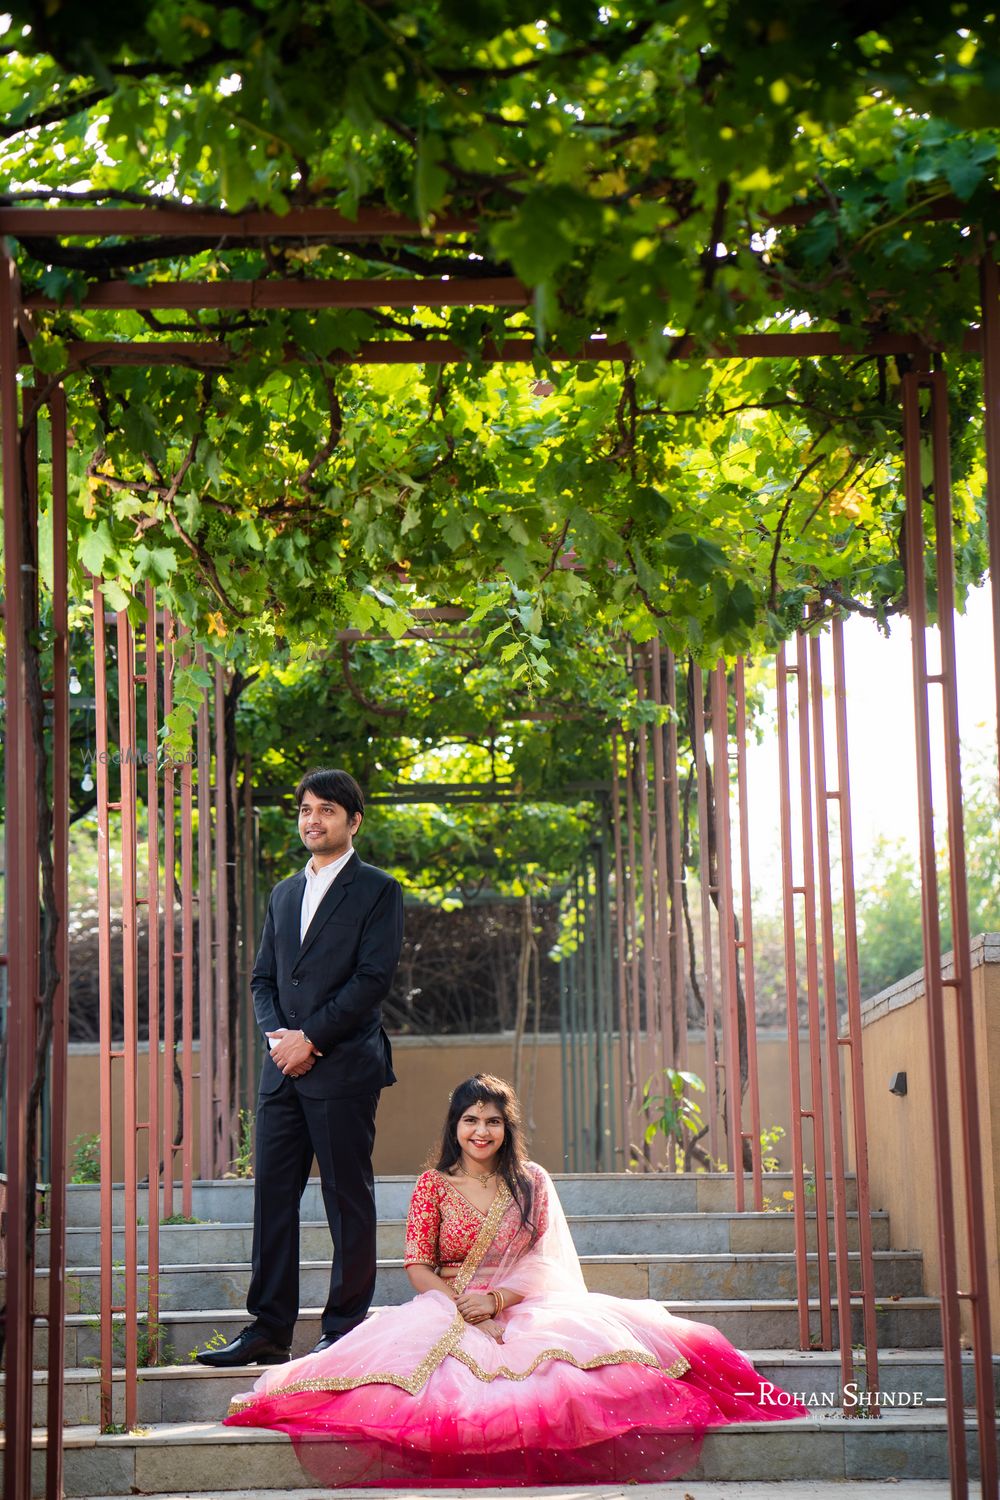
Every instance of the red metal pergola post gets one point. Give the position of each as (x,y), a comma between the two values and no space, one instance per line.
(666,1025)
(727,933)
(678,944)
(960,986)
(817,1091)
(745,944)
(636,1045)
(247,1058)
(853,1041)
(208,1134)
(21,890)
(652,1053)
(706,887)
(828,951)
(59,1064)
(128,752)
(788,893)
(187,974)
(222,928)
(107,1040)
(152,1121)
(626,1082)
(169,929)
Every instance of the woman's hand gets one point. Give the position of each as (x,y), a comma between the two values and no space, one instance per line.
(492,1328)
(476,1307)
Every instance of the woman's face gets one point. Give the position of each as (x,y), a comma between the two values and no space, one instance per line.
(480,1131)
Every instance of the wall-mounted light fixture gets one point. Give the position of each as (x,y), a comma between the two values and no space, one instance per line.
(897,1085)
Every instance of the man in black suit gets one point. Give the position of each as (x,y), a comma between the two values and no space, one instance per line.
(329,949)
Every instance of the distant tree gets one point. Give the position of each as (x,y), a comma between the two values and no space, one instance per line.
(891,938)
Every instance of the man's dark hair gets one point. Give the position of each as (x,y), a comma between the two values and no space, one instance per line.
(332,786)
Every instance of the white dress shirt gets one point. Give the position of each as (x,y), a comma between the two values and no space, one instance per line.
(317,885)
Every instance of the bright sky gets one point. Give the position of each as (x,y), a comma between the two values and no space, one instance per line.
(880,735)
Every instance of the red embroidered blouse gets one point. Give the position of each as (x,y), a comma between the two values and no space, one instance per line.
(442,1225)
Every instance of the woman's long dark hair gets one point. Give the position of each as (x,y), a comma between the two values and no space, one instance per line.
(485,1088)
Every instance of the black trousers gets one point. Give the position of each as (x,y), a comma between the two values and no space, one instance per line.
(340,1134)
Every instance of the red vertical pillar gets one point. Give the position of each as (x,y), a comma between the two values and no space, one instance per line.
(727,932)
(706,887)
(207,1090)
(817,1093)
(745,944)
(60,1015)
(106,1038)
(169,928)
(21,864)
(187,975)
(966,1111)
(128,749)
(678,943)
(222,927)
(152,1121)
(788,894)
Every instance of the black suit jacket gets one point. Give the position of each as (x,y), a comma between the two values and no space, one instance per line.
(332,985)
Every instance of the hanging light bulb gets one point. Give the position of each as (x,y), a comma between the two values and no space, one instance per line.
(75,685)
(87,782)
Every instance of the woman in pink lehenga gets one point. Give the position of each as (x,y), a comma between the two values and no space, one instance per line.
(504,1369)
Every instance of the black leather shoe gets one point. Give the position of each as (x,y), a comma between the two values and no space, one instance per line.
(326,1342)
(251,1347)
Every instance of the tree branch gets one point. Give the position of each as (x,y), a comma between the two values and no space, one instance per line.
(779,529)
(382,711)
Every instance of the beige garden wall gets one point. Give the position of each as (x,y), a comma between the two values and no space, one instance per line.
(900,1130)
(410,1113)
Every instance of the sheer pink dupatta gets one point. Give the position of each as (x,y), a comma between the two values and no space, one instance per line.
(538,1259)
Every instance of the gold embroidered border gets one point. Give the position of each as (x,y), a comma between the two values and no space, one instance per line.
(445,1345)
(618,1357)
(484,1239)
(412,1383)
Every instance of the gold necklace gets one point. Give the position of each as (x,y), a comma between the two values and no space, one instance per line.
(480,1177)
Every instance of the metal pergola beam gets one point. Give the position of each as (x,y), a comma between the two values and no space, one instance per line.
(320,223)
(218,225)
(286,294)
(88,354)
(428,793)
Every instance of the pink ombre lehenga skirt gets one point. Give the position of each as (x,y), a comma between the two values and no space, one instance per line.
(416,1397)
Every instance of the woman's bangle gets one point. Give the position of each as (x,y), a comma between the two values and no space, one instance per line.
(498,1299)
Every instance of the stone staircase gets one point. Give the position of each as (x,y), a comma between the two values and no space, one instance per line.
(674,1239)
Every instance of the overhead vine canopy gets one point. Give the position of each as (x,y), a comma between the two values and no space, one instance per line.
(663,176)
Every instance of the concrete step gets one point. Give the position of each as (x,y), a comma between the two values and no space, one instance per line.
(901,1446)
(718,1233)
(905,1323)
(689,1277)
(193,1393)
(231,1201)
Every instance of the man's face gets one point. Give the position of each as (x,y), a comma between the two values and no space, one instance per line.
(324,827)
